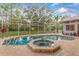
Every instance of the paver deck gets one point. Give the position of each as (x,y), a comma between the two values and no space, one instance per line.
(68,48)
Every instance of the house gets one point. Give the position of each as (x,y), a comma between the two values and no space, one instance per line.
(71,25)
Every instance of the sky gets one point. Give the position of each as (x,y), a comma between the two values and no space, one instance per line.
(61,9)
(65,8)
(69,9)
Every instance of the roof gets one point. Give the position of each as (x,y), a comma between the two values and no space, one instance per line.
(74,18)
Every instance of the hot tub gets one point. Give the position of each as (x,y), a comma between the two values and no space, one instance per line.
(43,46)
(43,43)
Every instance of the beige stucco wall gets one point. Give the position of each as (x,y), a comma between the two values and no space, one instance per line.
(74,23)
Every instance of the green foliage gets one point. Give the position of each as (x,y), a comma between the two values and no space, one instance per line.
(56,18)
(38,17)
(13,27)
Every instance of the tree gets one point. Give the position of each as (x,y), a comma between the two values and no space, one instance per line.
(38,14)
(6,8)
(62,18)
(56,22)
(56,18)
(35,16)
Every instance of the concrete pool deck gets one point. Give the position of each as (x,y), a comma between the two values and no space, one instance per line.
(68,48)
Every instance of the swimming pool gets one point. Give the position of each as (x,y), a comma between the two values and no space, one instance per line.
(17,41)
(26,40)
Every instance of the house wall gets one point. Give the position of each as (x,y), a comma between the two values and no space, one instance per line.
(75,25)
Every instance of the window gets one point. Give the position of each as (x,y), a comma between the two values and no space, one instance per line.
(70,27)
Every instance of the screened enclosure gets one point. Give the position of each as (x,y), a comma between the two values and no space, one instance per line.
(22,19)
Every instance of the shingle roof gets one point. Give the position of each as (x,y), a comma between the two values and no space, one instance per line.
(73,18)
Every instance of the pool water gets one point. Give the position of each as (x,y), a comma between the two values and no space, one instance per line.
(43,43)
(48,37)
(26,40)
(20,41)
(54,37)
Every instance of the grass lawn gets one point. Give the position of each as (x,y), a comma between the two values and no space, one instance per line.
(15,33)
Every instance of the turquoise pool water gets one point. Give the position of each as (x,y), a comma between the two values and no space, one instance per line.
(26,40)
